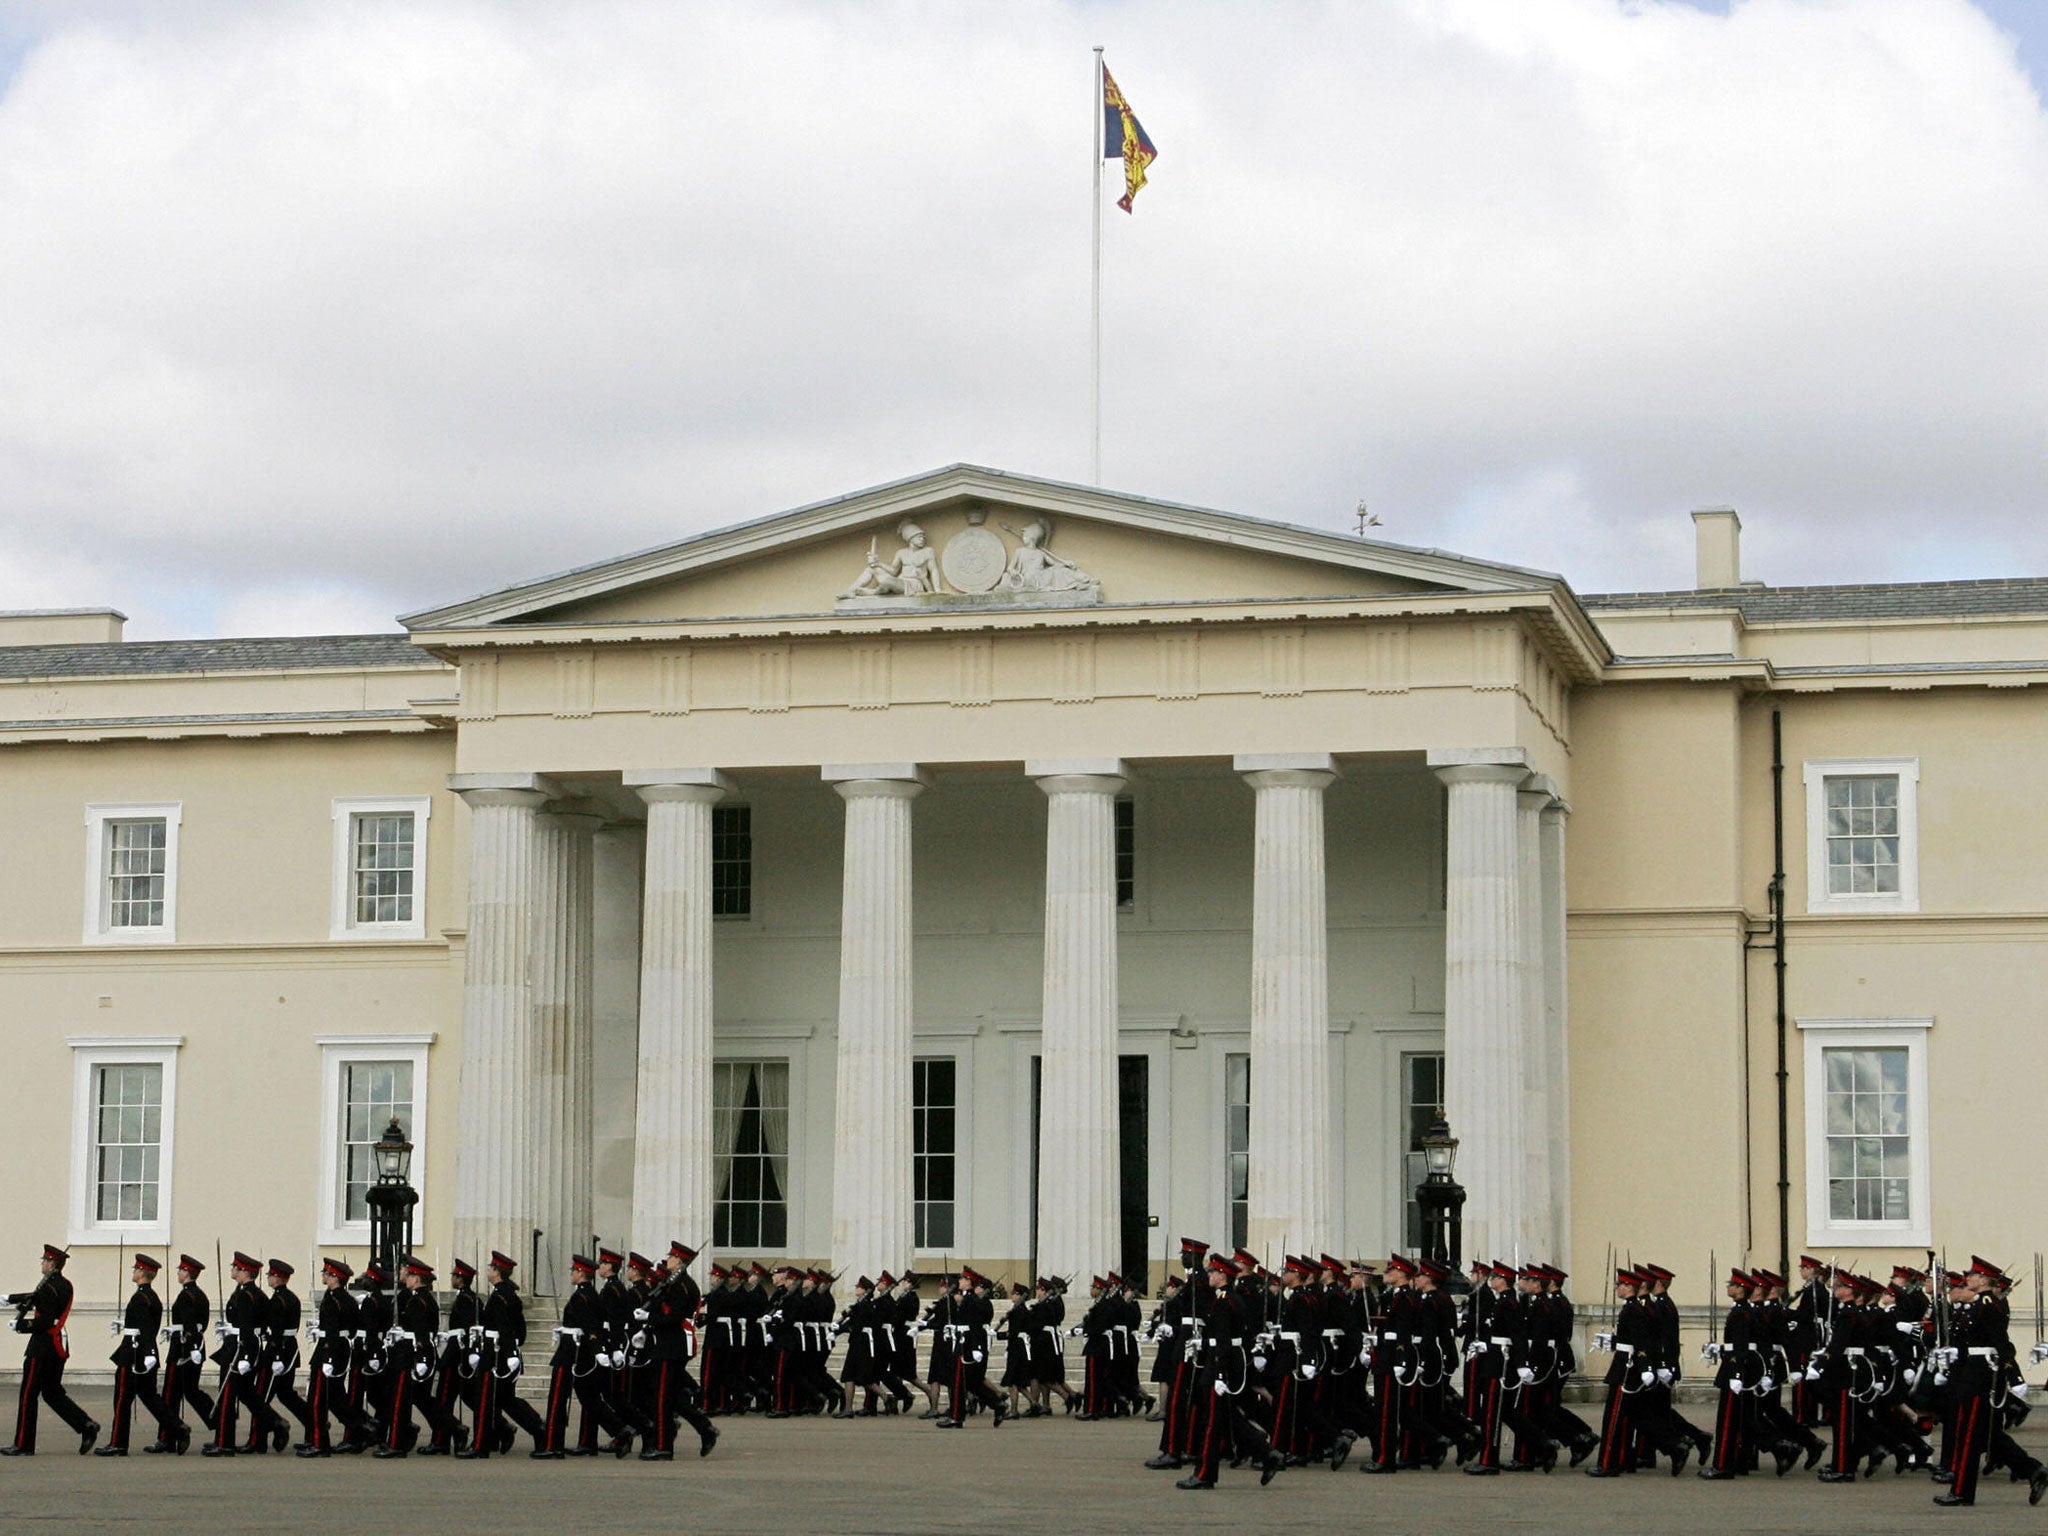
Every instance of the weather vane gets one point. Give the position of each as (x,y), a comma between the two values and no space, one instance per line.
(1365,520)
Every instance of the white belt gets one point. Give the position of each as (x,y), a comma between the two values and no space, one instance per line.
(1853,1350)
(1333,1333)
(1292,1338)
(1390,1336)
(1624,1349)
(1988,1354)
(1500,1343)
(1415,1338)
(131,1333)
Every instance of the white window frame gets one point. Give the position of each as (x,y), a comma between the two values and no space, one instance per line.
(97,931)
(343,924)
(743,1050)
(1821,1035)
(335,1052)
(1817,773)
(88,1054)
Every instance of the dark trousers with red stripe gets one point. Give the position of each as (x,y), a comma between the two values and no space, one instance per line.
(132,1387)
(1732,1431)
(1097,1394)
(264,1420)
(1386,1418)
(1844,1414)
(407,1393)
(1617,1433)
(1972,1434)
(328,1395)
(970,1379)
(672,1395)
(42,1381)
(181,1386)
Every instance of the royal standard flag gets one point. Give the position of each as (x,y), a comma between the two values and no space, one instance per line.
(1123,137)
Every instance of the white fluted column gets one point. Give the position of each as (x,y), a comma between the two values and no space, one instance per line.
(495,1189)
(1535,1231)
(563,1044)
(1483,1064)
(1557,1027)
(1079,1189)
(672,1150)
(1288,1197)
(872,1227)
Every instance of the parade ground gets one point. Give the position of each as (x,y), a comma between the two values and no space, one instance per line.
(887,1476)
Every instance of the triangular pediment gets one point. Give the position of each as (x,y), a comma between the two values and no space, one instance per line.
(988,540)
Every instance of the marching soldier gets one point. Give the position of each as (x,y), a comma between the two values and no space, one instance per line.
(370,1377)
(455,1378)
(184,1360)
(1170,1366)
(1773,1335)
(669,1323)
(135,1357)
(1544,1400)
(1810,1321)
(41,1315)
(1828,1369)
(417,1323)
(721,1341)
(1049,1344)
(277,1364)
(501,1335)
(574,1366)
(973,1317)
(239,1330)
(1094,1332)
(1232,1316)
(938,1322)
(327,1372)
(1636,1344)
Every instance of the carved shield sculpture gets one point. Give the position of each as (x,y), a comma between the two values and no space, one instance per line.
(974,558)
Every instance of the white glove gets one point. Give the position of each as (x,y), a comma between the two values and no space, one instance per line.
(423,1369)
(512,1364)
(1767,1383)
(1907,1328)
(1649,1377)
(1474,1350)
(1813,1373)
(1664,1375)
(241,1367)
(2020,1389)
(149,1365)
(198,1355)
(976,1358)
(1258,1362)
(1222,1388)
(475,1361)
(1525,1374)
(1308,1373)
(604,1360)
(1735,1385)
(1941,1378)
(1163,1331)
(1074,1333)
(639,1341)
(1365,1359)
(639,1314)
(327,1369)
(1711,1350)
(113,1325)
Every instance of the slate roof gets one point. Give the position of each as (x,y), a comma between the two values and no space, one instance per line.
(1888,600)
(137,657)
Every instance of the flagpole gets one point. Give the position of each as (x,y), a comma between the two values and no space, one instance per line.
(1095,293)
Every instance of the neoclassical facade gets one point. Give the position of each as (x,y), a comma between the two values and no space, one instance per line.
(984,867)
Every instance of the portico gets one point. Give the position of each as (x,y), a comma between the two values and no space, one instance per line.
(1233,807)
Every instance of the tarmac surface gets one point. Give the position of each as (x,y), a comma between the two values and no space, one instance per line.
(893,1475)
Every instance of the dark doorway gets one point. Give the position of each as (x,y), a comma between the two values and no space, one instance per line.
(1134,1121)
(1134,1110)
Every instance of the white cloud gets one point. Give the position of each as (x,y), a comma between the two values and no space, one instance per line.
(397,302)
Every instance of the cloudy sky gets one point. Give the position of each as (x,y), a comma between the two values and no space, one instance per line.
(315,313)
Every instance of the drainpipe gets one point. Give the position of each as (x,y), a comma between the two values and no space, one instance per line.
(1778,966)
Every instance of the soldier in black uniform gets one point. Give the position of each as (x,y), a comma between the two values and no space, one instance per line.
(328,1370)
(184,1360)
(1094,1332)
(1049,1344)
(1636,1344)
(415,1332)
(135,1357)
(1810,1318)
(1169,1357)
(973,1320)
(277,1364)
(239,1329)
(1233,1315)
(41,1315)
(670,1325)
(1828,1371)
(499,1351)
(721,1340)
(938,1322)
(1773,1337)
(371,1379)
(455,1376)
(574,1366)
(607,1384)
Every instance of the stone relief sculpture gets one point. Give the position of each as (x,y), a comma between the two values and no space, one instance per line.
(913,572)
(1035,568)
(981,568)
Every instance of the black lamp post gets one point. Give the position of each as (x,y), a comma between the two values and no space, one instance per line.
(391,1199)
(1441,1198)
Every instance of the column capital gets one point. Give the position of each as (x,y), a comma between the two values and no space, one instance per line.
(644,779)
(1510,774)
(1075,768)
(1559,810)
(1270,762)
(839,773)
(1460,757)
(529,789)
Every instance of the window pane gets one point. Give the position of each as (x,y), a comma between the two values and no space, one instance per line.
(732,860)
(372,1094)
(750,1118)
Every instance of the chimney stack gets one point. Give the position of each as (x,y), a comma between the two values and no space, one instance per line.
(1719,533)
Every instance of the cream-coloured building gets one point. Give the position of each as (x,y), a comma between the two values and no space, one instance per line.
(984,867)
